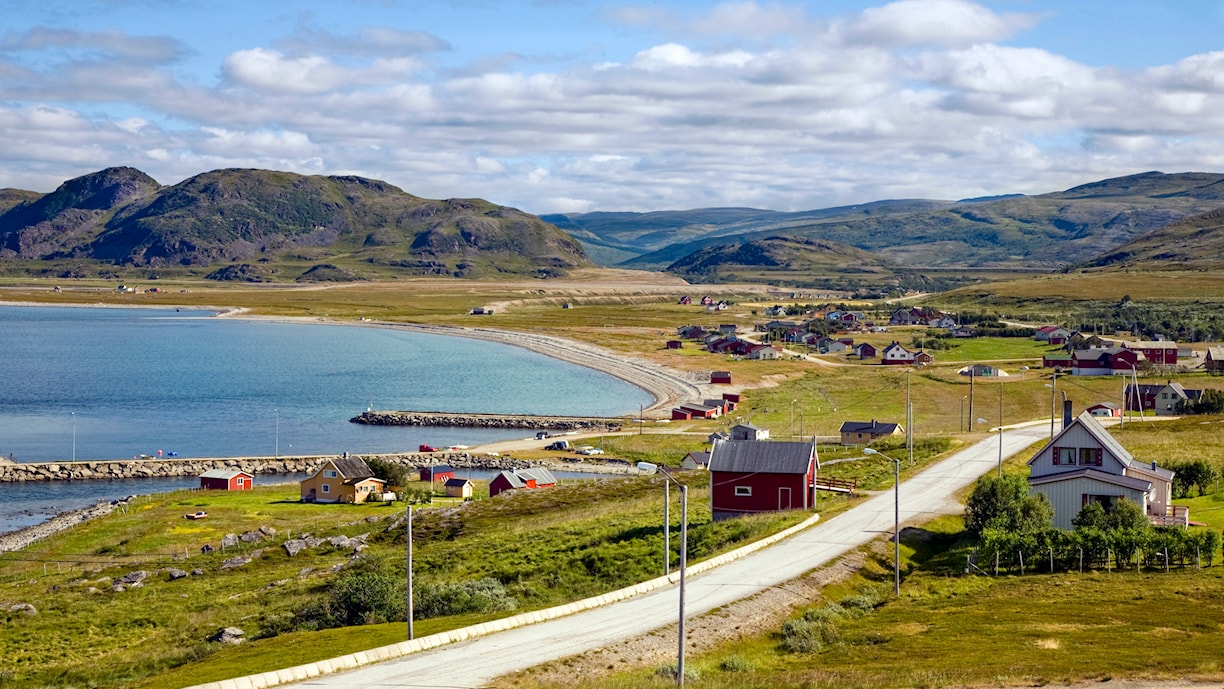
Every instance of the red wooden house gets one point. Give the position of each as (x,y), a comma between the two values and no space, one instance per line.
(437,472)
(518,479)
(748,476)
(227,479)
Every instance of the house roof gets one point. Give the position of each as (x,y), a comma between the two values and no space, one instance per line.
(1114,479)
(699,458)
(226,474)
(749,426)
(517,478)
(440,469)
(1094,428)
(873,427)
(456,482)
(352,467)
(749,456)
(1103,405)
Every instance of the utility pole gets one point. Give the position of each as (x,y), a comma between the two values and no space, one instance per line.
(408,538)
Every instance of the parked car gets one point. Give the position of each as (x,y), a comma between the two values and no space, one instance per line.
(590,451)
(426,448)
(542,435)
(558,445)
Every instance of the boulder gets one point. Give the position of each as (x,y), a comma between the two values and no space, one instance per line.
(229,541)
(236,561)
(176,573)
(24,609)
(228,635)
(206,549)
(133,578)
(197,572)
(267,531)
(294,546)
(251,537)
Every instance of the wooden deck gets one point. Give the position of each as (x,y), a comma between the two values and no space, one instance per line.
(835,485)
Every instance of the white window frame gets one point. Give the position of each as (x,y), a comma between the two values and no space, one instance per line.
(326,487)
(743,491)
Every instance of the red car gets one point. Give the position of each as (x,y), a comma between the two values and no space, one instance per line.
(427,448)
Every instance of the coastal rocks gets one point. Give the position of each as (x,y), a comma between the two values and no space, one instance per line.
(228,635)
(538,423)
(147,468)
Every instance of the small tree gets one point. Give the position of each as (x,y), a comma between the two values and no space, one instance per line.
(393,473)
(1004,503)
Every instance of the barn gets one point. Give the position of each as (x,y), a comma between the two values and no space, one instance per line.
(227,479)
(750,476)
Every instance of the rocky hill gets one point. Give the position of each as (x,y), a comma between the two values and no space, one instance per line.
(1194,243)
(789,259)
(261,224)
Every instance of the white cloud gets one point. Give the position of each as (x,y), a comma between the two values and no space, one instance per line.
(937,22)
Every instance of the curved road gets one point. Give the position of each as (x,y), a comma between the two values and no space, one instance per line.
(475,662)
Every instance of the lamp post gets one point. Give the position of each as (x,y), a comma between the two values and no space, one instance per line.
(896,518)
(74,436)
(648,467)
(276,447)
(1000,429)
(408,538)
(1064,399)
(792,423)
(960,420)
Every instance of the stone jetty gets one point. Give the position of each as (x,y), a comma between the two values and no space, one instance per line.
(526,421)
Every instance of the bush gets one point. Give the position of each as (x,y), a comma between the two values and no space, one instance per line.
(736,664)
(803,636)
(393,473)
(438,599)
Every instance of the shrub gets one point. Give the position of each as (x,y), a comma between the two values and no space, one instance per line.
(736,664)
(803,636)
(438,599)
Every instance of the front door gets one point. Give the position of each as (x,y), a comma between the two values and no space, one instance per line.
(784,498)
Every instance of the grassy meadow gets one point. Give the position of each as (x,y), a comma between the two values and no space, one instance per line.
(546,547)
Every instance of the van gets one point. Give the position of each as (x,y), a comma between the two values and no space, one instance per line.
(558,445)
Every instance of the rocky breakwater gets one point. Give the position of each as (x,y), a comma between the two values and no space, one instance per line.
(151,468)
(525,421)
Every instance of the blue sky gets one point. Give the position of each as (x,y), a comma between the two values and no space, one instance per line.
(575,105)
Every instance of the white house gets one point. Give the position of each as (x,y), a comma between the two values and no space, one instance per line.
(1085,464)
(747,431)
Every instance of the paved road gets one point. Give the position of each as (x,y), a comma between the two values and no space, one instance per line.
(473,663)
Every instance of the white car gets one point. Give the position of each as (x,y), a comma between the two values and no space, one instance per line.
(590,451)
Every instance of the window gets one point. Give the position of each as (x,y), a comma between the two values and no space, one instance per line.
(326,487)
(743,491)
(1089,456)
(330,474)
(1064,456)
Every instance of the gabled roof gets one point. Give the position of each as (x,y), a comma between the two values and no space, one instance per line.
(749,426)
(518,478)
(1114,479)
(1089,423)
(456,482)
(352,467)
(226,474)
(699,458)
(761,457)
(873,427)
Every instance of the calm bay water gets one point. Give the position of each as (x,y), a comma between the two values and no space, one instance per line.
(114,383)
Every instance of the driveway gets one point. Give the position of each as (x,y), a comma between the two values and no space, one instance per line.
(474,663)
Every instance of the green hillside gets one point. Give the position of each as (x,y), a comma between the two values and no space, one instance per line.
(1195,243)
(261,224)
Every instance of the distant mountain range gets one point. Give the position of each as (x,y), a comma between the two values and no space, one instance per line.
(261,225)
(1043,232)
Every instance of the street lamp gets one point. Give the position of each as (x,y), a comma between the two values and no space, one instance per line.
(1052,388)
(651,468)
(276,447)
(1000,430)
(896,518)
(73,436)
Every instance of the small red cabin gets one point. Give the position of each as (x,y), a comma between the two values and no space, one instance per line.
(227,479)
(437,472)
(521,479)
(720,377)
(750,476)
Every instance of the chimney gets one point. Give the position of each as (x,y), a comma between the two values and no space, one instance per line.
(1066,413)
(1153,465)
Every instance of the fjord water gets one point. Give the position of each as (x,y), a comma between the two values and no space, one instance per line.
(108,383)
(135,381)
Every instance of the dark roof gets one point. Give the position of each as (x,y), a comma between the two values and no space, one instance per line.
(699,458)
(873,427)
(762,457)
(456,482)
(352,467)
(440,469)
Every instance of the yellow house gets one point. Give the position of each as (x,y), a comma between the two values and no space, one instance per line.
(458,488)
(345,479)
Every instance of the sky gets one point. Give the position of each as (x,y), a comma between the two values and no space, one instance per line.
(584,105)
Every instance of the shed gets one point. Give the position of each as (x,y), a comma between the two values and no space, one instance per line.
(459,488)
(227,479)
(748,476)
(437,472)
(720,377)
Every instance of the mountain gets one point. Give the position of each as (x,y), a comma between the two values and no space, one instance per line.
(794,260)
(1042,232)
(220,222)
(1194,243)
